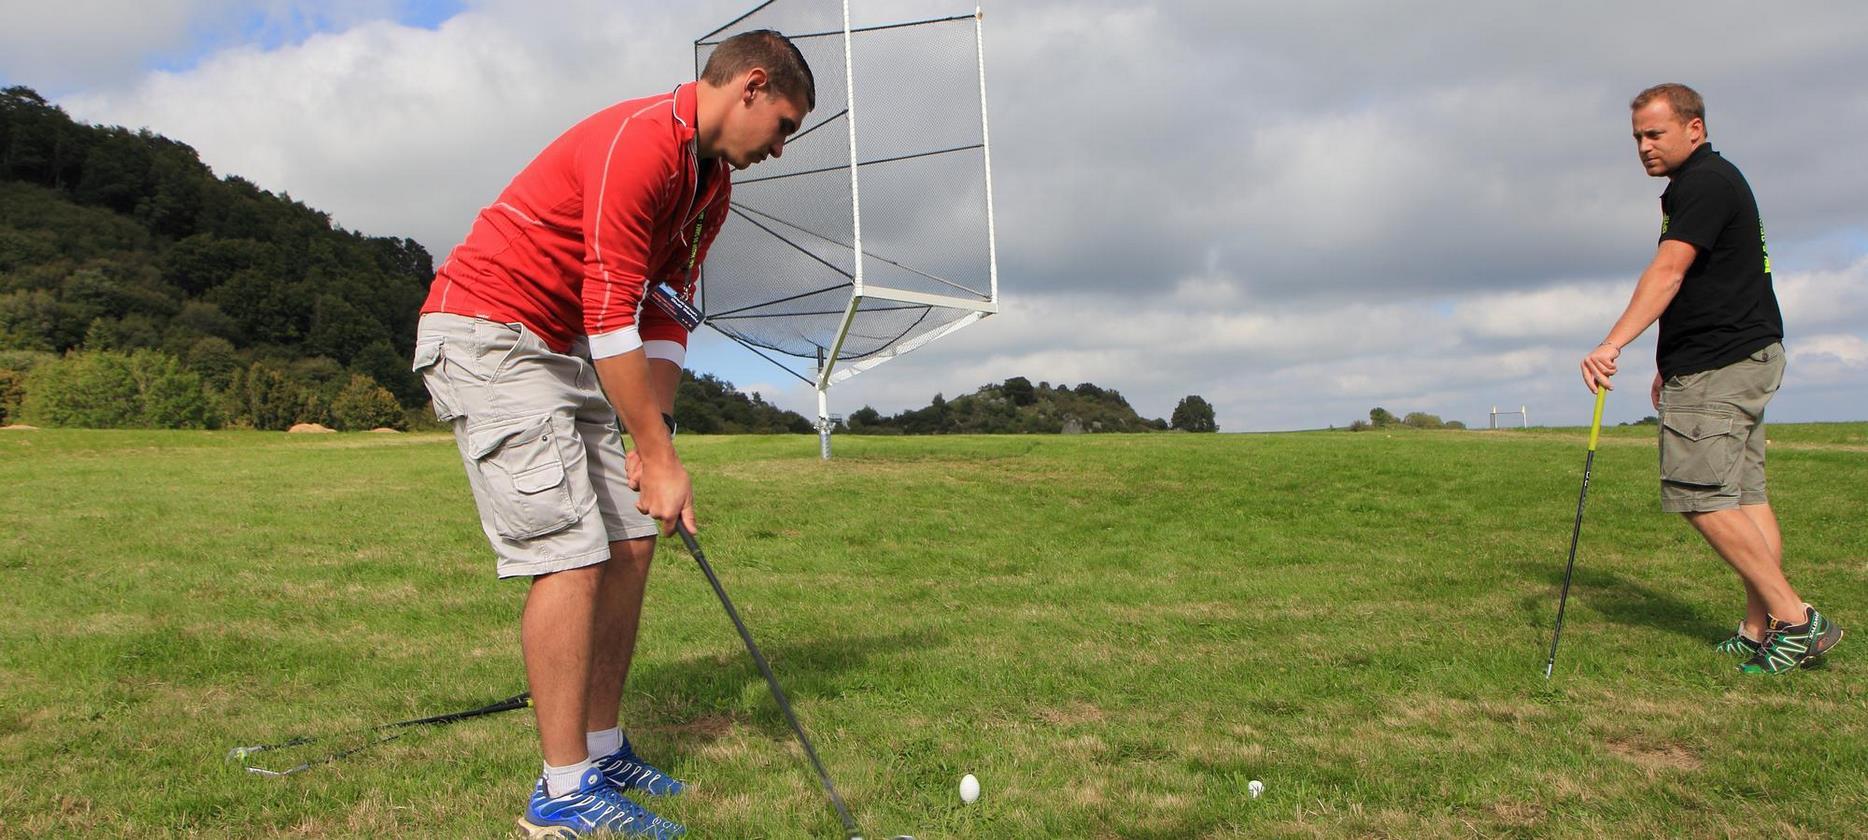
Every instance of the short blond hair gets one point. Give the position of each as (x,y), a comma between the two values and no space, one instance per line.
(1686,102)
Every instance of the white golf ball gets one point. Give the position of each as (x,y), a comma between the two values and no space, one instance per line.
(969,788)
(1256,787)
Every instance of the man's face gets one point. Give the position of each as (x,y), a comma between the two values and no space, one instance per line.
(1663,141)
(758,125)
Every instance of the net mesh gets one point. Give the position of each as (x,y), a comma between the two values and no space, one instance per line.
(782,271)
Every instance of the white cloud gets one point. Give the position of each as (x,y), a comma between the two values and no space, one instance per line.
(1298,211)
(85,43)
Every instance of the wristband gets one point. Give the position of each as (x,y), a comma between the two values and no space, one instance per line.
(669,419)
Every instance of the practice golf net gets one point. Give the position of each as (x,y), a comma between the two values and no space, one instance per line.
(873,234)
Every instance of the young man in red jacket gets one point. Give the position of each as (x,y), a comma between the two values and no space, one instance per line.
(563,310)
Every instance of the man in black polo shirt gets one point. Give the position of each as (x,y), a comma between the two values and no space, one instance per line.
(1720,359)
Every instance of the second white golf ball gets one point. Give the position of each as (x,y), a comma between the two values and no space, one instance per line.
(969,788)
(1256,787)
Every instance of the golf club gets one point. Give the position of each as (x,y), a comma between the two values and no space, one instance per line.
(1589,462)
(778,694)
(397,730)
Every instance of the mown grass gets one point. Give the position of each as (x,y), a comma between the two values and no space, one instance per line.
(1114,633)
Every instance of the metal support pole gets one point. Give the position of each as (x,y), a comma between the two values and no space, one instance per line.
(823,408)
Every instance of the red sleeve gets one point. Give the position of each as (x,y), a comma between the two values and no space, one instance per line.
(627,180)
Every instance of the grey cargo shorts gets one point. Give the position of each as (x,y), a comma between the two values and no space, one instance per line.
(1712,434)
(538,439)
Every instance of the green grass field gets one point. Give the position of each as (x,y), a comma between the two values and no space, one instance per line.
(1115,633)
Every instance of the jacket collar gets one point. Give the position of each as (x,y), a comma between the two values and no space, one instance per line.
(687,110)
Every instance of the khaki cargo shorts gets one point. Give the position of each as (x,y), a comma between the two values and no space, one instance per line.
(539,441)
(1712,434)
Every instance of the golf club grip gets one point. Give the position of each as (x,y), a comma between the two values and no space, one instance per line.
(1595,424)
(517,701)
(771,680)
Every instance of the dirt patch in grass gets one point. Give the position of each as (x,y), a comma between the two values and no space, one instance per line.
(710,727)
(1654,756)
(1075,714)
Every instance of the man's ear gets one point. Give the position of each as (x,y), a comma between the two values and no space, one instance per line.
(756,83)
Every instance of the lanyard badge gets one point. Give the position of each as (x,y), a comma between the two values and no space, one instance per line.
(671,302)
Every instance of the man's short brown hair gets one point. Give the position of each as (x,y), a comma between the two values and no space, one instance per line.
(1685,101)
(785,68)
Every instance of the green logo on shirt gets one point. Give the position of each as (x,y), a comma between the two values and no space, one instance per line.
(1762,247)
(1664,219)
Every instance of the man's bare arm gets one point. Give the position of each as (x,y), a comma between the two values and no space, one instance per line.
(639,390)
(1655,290)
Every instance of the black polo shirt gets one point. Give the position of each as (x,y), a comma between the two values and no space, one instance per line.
(1725,309)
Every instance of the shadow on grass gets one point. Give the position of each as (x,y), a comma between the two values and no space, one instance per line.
(700,699)
(1626,602)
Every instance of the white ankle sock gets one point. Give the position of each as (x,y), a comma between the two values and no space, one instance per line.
(604,741)
(562,780)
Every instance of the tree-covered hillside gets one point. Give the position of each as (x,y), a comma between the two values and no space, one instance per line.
(123,241)
(137,289)
(1014,406)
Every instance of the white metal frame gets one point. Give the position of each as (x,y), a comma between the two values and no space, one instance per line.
(828,373)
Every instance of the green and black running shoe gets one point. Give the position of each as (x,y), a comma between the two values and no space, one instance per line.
(1787,646)
(1739,644)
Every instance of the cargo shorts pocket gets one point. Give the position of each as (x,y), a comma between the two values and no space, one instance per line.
(522,470)
(440,390)
(1698,446)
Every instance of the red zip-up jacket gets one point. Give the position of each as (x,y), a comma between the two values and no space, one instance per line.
(572,243)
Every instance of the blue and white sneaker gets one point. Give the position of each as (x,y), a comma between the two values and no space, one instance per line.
(595,808)
(627,772)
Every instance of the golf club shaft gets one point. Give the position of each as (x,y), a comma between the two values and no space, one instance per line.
(1576,531)
(778,694)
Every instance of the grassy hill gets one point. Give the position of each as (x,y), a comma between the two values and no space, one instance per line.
(1116,633)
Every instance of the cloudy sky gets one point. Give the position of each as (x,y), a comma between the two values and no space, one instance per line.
(1296,210)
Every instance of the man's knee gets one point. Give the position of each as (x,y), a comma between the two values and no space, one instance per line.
(635,552)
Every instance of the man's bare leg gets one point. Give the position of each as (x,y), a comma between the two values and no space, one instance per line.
(1762,516)
(1742,542)
(619,614)
(555,633)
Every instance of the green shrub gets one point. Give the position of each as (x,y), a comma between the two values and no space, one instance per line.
(83,390)
(364,405)
(263,397)
(107,390)
(214,359)
(381,362)
(12,390)
(171,395)
(15,366)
